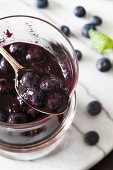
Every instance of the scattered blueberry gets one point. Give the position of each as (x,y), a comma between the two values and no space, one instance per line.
(3,116)
(91,138)
(65,30)
(18,50)
(96,20)
(85,29)
(34,97)
(42,3)
(29,79)
(78,54)
(94,108)
(5,86)
(80,11)
(18,118)
(49,85)
(103,64)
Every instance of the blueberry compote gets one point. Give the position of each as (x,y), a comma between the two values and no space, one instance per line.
(50,87)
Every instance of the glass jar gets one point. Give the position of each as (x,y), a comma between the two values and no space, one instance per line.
(33,140)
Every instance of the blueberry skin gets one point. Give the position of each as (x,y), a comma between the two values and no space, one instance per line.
(103,64)
(78,54)
(3,116)
(80,11)
(29,79)
(96,20)
(42,3)
(94,108)
(34,97)
(86,28)
(65,29)
(91,138)
(5,66)
(49,85)
(18,118)
(34,115)
(18,50)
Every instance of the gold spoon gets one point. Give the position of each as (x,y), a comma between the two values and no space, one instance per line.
(21,89)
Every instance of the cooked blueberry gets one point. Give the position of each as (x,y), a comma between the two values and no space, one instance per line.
(3,116)
(57,102)
(29,79)
(85,29)
(91,138)
(49,85)
(94,108)
(42,3)
(4,86)
(4,66)
(18,118)
(35,97)
(54,101)
(34,115)
(65,30)
(34,55)
(80,11)
(18,50)
(96,20)
(103,64)
(78,54)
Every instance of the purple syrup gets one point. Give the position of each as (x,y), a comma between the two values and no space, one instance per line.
(54,81)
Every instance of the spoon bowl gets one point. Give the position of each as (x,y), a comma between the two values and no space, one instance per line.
(29,92)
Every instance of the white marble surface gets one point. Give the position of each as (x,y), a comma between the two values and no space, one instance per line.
(74,154)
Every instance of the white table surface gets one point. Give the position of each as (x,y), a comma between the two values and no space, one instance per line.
(74,154)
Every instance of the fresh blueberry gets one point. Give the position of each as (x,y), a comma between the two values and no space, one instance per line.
(34,55)
(3,116)
(49,85)
(91,138)
(96,20)
(80,11)
(34,115)
(85,29)
(65,30)
(78,54)
(103,64)
(18,118)
(34,97)
(5,86)
(18,50)
(42,3)
(5,66)
(29,79)
(94,108)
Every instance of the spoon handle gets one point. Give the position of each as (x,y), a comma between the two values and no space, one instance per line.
(16,66)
